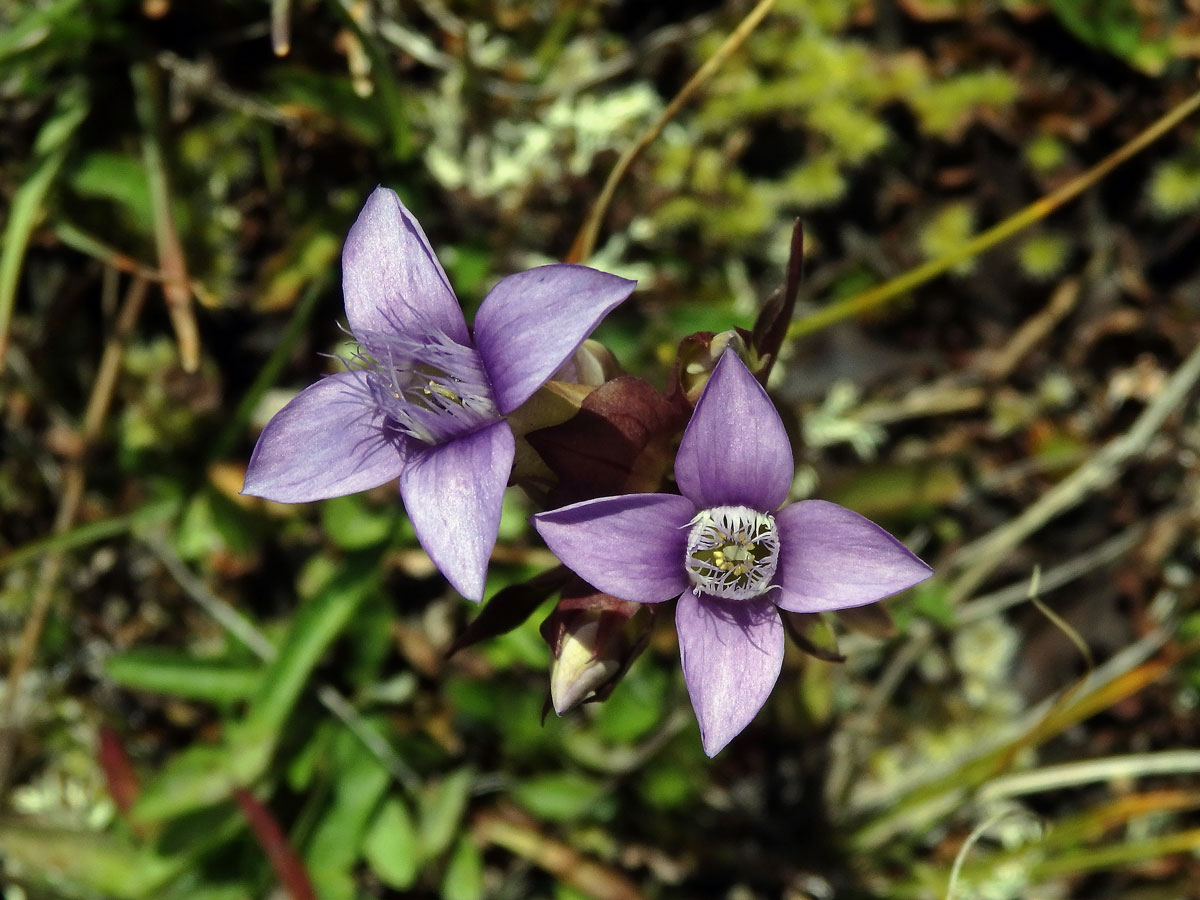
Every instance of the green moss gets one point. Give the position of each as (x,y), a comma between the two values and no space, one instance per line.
(1174,188)
(815,183)
(1042,256)
(1046,153)
(949,229)
(946,107)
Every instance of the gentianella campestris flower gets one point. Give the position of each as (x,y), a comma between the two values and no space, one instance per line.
(727,550)
(424,400)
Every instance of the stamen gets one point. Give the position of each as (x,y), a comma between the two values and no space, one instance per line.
(431,388)
(732,552)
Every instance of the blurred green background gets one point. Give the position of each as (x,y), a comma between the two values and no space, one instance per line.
(196,682)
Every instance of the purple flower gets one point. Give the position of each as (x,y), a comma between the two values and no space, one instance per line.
(426,403)
(729,553)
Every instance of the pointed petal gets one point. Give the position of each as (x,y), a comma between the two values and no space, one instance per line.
(530,323)
(735,451)
(391,279)
(832,558)
(731,652)
(632,547)
(327,442)
(453,494)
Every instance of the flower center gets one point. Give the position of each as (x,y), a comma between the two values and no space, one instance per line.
(432,388)
(732,552)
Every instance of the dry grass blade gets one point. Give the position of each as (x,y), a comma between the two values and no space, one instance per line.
(281,30)
(560,860)
(1051,778)
(176,284)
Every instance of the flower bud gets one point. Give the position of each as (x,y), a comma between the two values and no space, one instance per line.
(698,355)
(592,644)
(582,667)
(592,364)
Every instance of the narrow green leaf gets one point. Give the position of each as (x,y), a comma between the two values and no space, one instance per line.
(314,628)
(464,874)
(84,535)
(441,808)
(183,675)
(387,87)
(50,150)
(212,523)
(392,847)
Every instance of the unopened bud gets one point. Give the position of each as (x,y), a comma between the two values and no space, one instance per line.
(592,645)
(698,356)
(592,364)
(582,667)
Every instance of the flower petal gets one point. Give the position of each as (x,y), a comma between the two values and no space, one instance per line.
(632,547)
(731,652)
(391,279)
(327,442)
(530,323)
(453,494)
(832,558)
(735,451)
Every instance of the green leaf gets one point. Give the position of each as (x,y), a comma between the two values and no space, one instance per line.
(353,524)
(900,489)
(440,808)
(392,847)
(669,786)
(212,523)
(931,600)
(183,675)
(558,797)
(464,874)
(84,862)
(119,178)
(50,150)
(34,27)
(359,785)
(202,775)
(1116,27)
(316,625)
(636,706)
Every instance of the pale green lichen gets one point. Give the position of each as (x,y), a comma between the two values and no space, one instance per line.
(541,142)
(834,422)
(984,654)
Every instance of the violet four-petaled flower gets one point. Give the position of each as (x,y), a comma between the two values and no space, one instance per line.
(729,553)
(425,403)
